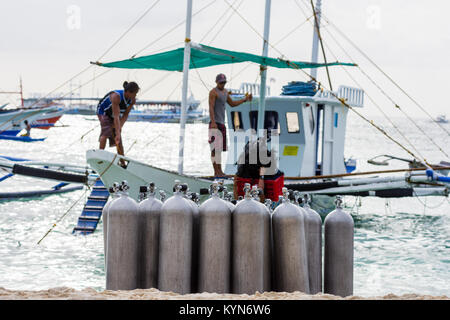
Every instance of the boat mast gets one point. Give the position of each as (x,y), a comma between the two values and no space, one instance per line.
(21,92)
(262,94)
(186,62)
(319,37)
(315,44)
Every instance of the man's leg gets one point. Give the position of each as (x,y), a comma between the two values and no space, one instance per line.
(102,142)
(120,148)
(217,163)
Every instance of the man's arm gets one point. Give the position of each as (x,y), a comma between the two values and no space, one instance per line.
(125,114)
(212,102)
(233,103)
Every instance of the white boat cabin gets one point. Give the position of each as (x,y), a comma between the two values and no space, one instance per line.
(311,130)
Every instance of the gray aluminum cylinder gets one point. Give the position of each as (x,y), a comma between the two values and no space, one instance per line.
(195,245)
(289,248)
(267,273)
(230,205)
(149,215)
(313,232)
(114,192)
(267,240)
(175,245)
(214,246)
(122,244)
(248,221)
(338,261)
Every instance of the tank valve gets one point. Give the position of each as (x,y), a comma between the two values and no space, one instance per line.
(247,191)
(338,202)
(285,193)
(214,188)
(124,186)
(162,195)
(306,200)
(151,188)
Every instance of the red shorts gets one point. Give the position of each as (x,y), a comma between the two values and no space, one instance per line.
(217,137)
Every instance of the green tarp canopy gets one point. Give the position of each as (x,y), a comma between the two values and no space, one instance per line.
(204,56)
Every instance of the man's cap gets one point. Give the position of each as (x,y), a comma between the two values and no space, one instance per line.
(221,78)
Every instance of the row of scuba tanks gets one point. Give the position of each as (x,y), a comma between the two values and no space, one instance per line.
(221,246)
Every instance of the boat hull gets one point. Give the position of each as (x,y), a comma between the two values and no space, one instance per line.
(47,120)
(107,166)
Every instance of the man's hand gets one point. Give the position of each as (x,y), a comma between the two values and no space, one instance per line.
(214,125)
(249,97)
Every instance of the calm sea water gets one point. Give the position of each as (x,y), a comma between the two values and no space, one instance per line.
(401,245)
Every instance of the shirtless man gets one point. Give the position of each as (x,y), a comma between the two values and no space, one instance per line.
(218,96)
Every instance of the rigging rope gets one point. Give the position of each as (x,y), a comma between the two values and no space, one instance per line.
(84,70)
(316,25)
(292,31)
(171,30)
(387,76)
(209,30)
(331,92)
(388,97)
(65,213)
(129,29)
(225,23)
(370,98)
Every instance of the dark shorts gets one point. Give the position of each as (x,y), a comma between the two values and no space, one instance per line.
(217,137)
(107,128)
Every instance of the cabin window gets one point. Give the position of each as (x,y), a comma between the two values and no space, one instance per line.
(236,119)
(292,122)
(271,122)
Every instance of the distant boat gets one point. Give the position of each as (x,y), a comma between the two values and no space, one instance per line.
(12,120)
(166,111)
(441,119)
(145,110)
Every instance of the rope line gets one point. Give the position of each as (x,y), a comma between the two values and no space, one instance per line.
(386,75)
(62,217)
(370,98)
(295,67)
(388,97)
(171,30)
(209,30)
(316,25)
(129,29)
(292,31)
(225,23)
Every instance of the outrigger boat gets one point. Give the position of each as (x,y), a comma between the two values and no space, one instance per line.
(38,113)
(71,177)
(310,129)
(12,121)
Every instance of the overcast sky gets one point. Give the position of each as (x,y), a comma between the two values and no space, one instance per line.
(48,42)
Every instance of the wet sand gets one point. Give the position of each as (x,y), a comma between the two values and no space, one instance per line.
(65,293)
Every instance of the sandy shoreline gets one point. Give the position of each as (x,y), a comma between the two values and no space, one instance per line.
(65,293)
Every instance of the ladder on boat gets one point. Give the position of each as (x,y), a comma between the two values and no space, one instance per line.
(92,211)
